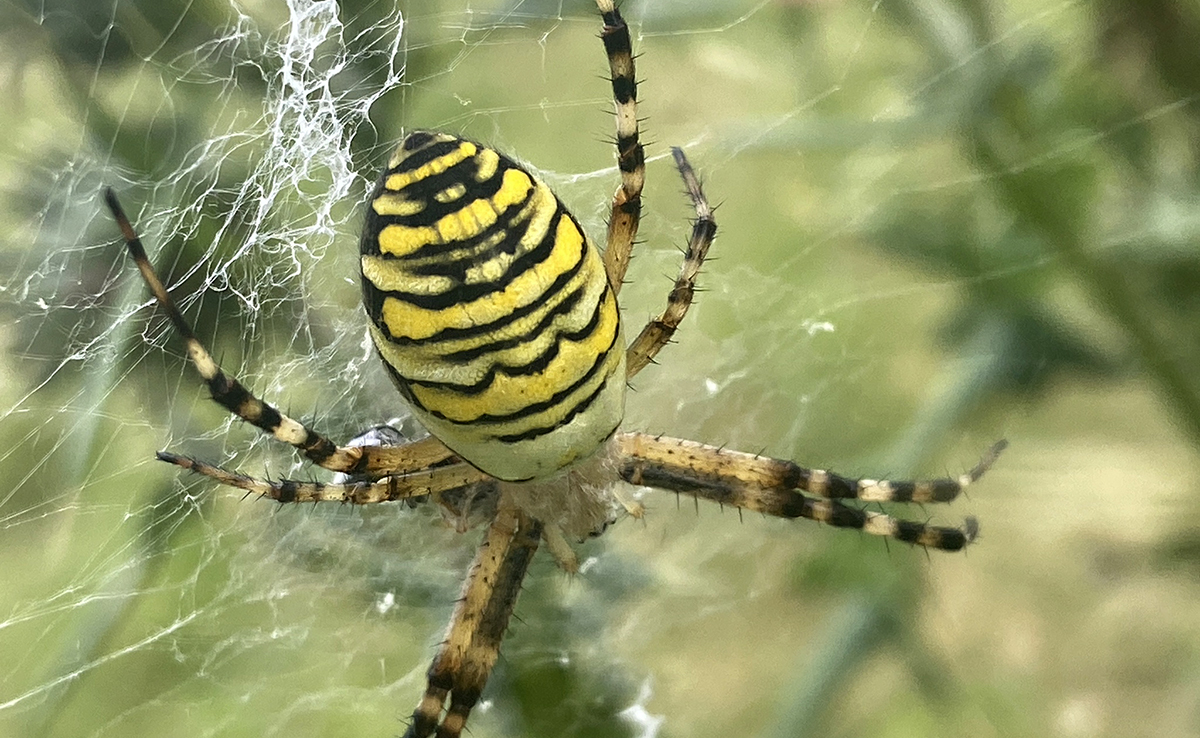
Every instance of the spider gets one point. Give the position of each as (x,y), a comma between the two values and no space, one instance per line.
(497,319)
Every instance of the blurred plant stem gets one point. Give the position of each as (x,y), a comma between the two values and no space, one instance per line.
(851,637)
(979,374)
(1011,118)
(1038,201)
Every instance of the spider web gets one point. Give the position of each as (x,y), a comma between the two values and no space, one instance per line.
(242,137)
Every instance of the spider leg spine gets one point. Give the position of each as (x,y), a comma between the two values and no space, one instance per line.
(773,486)
(386,489)
(626,207)
(227,391)
(472,643)
(231,394)
(735,469)
(659,331)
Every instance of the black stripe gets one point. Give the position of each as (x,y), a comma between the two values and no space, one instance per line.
(632,160)
(462,292)
(473,256)
(454,334)
(423,190)
(417,159)
(510,219)
(287,491)
(908,531)
(624,88)
(791,475)
(788,505)
(430,252)
(463,173)
(535,432)
(567,305)
(373,297)
(903,491)
(842,516)
(233,396)
(368,242)
(318,448)
(401,383)
(416,140)
(617,43)
(945,490)
(533,367)
(840,488)
(537,407)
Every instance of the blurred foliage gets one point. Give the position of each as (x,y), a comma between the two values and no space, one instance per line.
(1049,174)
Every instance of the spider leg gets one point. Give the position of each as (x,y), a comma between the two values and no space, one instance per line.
(775,486)
(627,202)
(233,396)
(377,461)
(658,332)
(465,659)
(631,160)
(434,481)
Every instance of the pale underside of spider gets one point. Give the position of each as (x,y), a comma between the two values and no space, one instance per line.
(552,469)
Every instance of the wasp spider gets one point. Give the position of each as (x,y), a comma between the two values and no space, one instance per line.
(497,319)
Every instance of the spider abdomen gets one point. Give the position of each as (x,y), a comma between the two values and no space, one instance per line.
(491,309)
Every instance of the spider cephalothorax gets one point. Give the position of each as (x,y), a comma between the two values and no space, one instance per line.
(497,318)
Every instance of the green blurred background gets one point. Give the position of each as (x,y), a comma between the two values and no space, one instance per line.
(942,222)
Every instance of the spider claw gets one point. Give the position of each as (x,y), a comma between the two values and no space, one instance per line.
(971,528)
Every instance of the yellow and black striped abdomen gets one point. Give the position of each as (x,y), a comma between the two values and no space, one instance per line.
(491,309)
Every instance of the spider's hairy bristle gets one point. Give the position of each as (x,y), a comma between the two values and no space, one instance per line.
(472,643)
(226,390)
(881,524)
(659,331)
(235,397)
(775,487)
(399,487)
(759,471)
(631,158)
